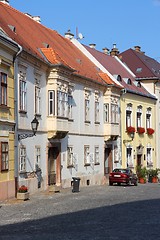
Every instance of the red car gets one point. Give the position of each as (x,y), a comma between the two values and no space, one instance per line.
(123,175)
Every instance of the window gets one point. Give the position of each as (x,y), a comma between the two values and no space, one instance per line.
(106,112)
(62,102)
(4,156)
(114,113)
(22,92)
(3,89)
(51,103)
(69,156)
(87,106)
(129,157)
(96,154)
(70,103)
(139,116)
(22,159)
(96,107)
(96,111)
(129,115)
(149,156)
(86,155)
(38,157)
(37,100)
(148,118)
(129,81)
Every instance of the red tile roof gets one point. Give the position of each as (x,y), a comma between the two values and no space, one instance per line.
(116,68)
(33,37)
(142,65)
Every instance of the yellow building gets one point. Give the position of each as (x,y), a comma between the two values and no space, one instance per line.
(8,51)
(138,130)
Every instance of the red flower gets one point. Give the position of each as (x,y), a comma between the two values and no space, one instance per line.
(140,130)
(150,131)
(22,189)
(130,129)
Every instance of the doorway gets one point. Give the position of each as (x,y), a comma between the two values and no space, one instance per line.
(139,162)
(108,164)
(54,166)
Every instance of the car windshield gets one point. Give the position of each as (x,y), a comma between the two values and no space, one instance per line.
(121,170)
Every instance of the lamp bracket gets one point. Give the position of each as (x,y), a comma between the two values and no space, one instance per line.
(25,135)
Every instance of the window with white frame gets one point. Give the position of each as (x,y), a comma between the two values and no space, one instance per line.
(70,156)
(62,104)
(70,102)
(37,157)
(86,155)
(4,156)
(51,102)
(114,113)
(149,156)
(148,118)
(22,159)
(22,92)
(96,155)
(129,115)
(87,106)
(129,156)
(139,116)
(3,89)
(106,112)
(37,98)
(96,107)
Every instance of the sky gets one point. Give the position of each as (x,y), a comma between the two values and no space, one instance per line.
(126,23)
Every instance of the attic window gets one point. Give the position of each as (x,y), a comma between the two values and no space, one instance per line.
(119,78)
(138,70)
(138,84)
(13,28)
(78,60)
(129,81)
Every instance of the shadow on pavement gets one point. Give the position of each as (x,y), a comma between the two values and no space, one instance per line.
(135,220)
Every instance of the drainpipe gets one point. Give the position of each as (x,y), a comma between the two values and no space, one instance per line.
(16,119)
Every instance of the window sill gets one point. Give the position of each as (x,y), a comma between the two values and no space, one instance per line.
(22,111)
(70,166)
(87,164)
(98,123)
(88,122)
(4,170)
(4,107)
(97,163)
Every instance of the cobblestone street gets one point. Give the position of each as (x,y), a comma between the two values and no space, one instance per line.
(96,212)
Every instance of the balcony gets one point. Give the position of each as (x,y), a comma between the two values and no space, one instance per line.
(57,127)
(111,131)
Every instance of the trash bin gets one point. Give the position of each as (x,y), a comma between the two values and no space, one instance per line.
(76,182)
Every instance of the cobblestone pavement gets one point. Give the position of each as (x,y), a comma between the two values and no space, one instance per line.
(94,213)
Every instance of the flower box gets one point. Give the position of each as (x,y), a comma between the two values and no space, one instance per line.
(150,131)
(141,130)
(23,196)
(130,129)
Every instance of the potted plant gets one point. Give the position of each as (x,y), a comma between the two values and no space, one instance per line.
(153,175)
(141,173)
(130,129)
(141,130)
(150,131)
(23,193)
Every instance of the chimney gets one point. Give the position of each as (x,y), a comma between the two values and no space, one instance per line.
(5,1)
(37,19)
(114,51)
(137,48)
(106,50)
(69,35)
(92,45)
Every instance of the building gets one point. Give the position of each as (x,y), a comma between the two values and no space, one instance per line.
(8,51)
(147,72)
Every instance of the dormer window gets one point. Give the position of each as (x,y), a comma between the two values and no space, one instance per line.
(138,70)
(138,84)
(119,78)
(129,81)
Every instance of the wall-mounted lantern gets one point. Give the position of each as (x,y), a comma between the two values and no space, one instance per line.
(34,126)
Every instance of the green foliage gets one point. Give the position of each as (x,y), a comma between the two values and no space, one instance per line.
(153,172)
(141,171)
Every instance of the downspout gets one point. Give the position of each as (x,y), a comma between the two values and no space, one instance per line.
(16,119)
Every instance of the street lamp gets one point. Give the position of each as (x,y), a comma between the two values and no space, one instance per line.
(34,126)
(132,136)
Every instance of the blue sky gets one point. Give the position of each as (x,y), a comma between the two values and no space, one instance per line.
(125,22)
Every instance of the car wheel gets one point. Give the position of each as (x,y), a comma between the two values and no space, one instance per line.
(136,183)
(110,183)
